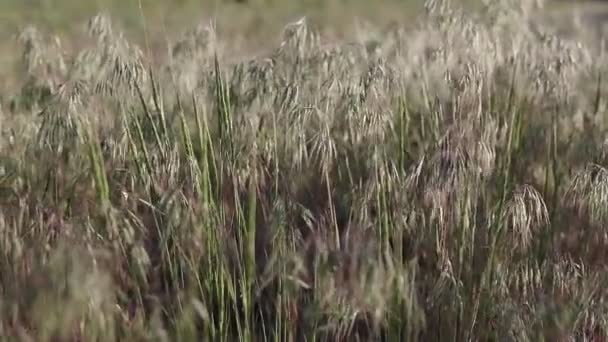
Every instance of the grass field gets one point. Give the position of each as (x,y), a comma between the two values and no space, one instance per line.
(414,177)
(249,27)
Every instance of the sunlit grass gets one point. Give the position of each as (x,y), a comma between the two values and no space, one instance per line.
(443,179)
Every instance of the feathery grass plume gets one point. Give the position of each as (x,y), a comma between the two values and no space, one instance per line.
(588,193)
(459,163)
(297,41)
(44,67)
(190,55)
(62,118)
(526,213)
(40,58)
(33,52)
(574,310)
(113,66)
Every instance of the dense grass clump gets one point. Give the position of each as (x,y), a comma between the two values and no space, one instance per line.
(444,182)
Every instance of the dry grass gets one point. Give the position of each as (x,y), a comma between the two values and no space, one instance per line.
(444,181)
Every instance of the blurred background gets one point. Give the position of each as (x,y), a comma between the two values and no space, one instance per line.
(236,14)
(246,26)
(244,16)
(234,17)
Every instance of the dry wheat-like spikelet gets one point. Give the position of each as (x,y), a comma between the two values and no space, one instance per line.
(526,213)
(464,158)
(191,55)
(41,58)
(588,193)
(113,66)
(63,117)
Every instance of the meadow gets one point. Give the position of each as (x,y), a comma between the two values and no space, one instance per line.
(444,178)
